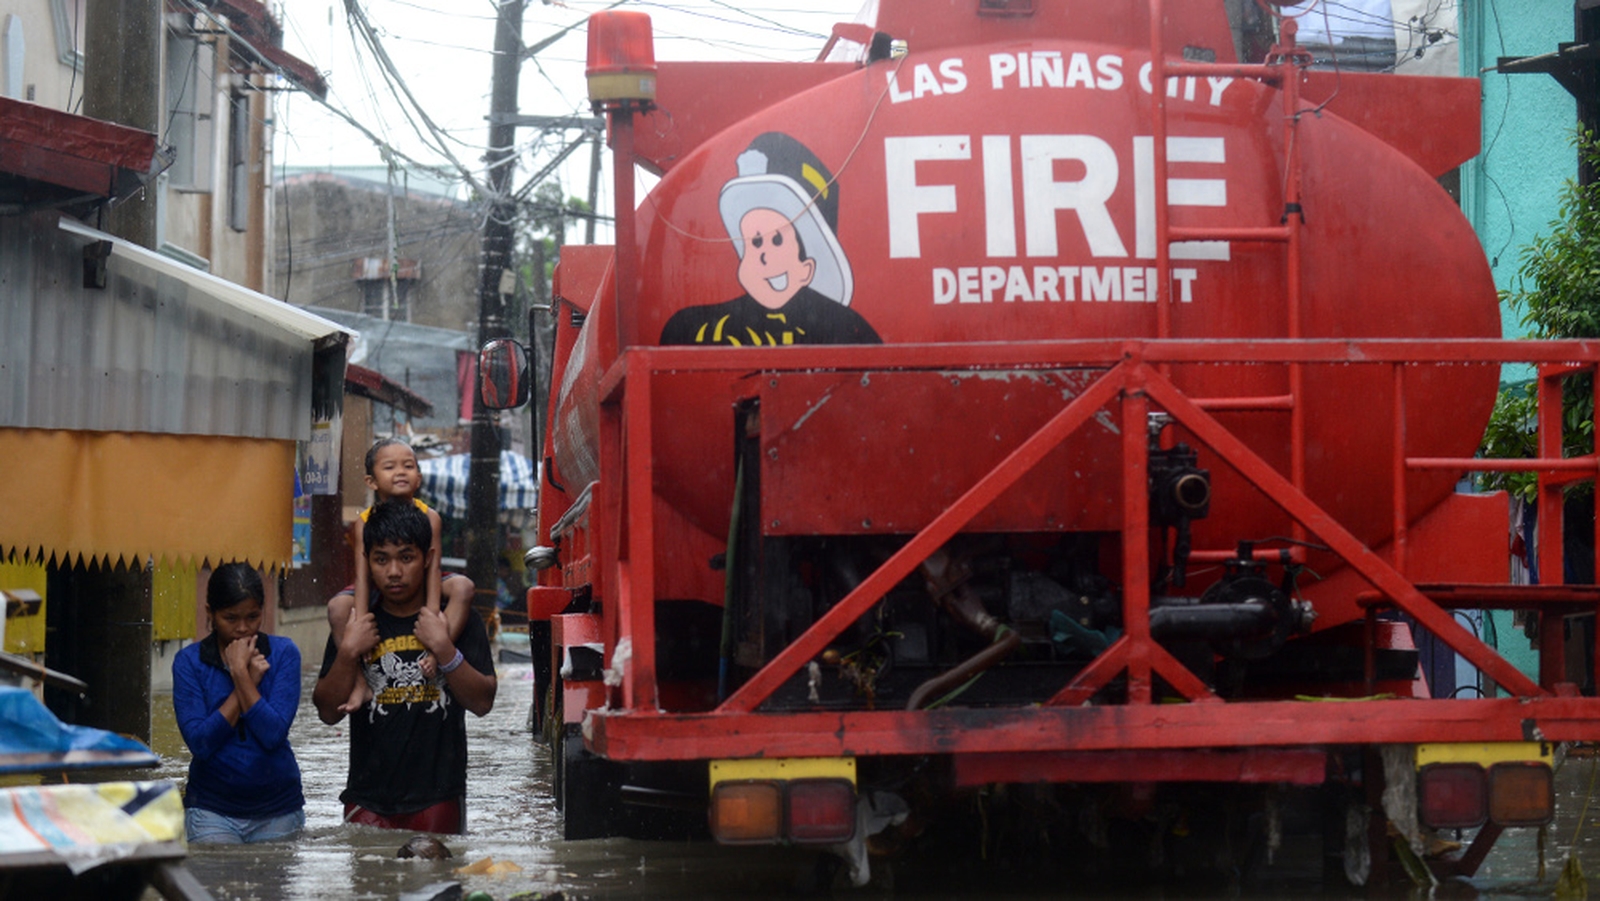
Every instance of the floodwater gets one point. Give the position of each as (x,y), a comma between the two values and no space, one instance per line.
(513,825)
(510,821)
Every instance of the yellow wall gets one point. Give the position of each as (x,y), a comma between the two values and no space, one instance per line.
(173,596)
(24,634)
(173,602)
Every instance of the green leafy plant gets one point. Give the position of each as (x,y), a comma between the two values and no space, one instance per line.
(1557,293)
(1511,434)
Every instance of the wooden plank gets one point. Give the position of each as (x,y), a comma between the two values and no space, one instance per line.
(176,883)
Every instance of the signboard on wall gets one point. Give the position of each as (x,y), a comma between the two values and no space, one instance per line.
(320,474)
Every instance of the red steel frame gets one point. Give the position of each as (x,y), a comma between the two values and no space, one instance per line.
(633,726)
(1267,739)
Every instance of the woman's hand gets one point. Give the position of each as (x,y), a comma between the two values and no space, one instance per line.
(240,656)
(246,665)
(258,667)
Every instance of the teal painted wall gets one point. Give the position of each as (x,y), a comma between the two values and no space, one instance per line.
(1511,191)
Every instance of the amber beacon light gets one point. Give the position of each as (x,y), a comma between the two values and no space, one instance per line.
(622,60)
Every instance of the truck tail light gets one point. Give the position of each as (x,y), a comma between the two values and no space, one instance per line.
(747,813)
(821,811)
(1521,794)
(1452,795)
(765,812)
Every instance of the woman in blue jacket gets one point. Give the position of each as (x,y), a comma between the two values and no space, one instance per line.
(235,693)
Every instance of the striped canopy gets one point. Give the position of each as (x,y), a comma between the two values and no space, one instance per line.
(444,483)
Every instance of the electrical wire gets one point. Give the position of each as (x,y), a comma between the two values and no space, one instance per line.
(370,41)
(838,172)
(343,115)
(1363,22)
(75,53)
(358,18)
(288,229)
(454,14)
(1483,165)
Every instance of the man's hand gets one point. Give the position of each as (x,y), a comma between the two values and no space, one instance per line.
(360,634)
(335,695)
(434,633)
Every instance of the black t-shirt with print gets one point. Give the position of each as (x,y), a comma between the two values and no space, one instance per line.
(408,745)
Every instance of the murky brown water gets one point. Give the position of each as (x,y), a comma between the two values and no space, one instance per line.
(511,820)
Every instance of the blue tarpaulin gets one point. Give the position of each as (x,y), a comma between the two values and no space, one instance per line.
(32,739)
(444,483)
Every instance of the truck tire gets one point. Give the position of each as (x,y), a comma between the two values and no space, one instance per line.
(589,791)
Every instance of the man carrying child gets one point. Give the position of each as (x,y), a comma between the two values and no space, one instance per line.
(408,746)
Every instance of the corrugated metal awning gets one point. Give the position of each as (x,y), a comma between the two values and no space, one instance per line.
(51,158)
(370,383)
(161,347)
(254,25)
(268,310)
(423,358)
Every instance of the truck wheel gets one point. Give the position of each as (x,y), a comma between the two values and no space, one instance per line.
(554,734)
(588,791)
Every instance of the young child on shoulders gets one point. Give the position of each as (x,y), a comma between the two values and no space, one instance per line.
(392,473)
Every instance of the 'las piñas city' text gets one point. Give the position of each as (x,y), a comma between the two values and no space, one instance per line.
(913,203)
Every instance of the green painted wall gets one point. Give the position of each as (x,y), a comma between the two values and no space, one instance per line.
(1511,191)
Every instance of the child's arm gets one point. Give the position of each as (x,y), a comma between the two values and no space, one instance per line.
(435,571)
(363,590)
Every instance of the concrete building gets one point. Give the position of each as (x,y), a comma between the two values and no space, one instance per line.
(335,234)
(155,403)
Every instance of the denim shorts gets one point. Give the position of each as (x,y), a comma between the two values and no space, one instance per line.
(205,826)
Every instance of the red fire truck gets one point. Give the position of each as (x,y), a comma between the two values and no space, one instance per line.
(1030,393)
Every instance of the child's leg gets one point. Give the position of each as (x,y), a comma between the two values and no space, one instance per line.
(338,614)
(363,589)
(435,570)
(458,589)
(361,693)
(435,576)
(339,607)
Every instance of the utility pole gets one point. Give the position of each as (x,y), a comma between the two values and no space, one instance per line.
(99,613)
(122,84)
(597,146)
(495,279)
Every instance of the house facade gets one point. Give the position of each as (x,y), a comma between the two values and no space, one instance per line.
(155,404)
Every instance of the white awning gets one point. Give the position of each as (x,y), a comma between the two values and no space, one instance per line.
(206,286)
